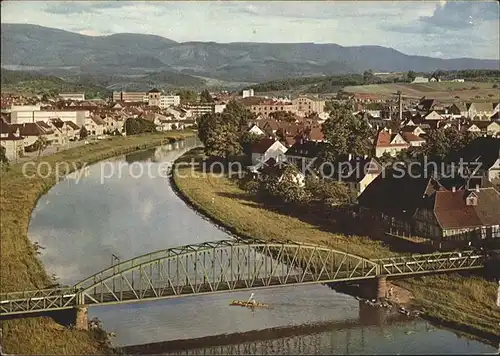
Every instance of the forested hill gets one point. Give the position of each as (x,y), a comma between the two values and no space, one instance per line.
(36,83)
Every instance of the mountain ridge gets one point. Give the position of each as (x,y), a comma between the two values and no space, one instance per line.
(34,45)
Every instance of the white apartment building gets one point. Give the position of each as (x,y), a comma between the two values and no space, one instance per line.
(72,96)
(248,93)
(22,117)
(218,108)
(420,80)
(169,100)
(15,108)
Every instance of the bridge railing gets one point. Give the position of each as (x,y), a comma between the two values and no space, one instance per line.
(37,301)
(433,262)
(40,293)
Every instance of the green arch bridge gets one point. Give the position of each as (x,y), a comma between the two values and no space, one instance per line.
(227,265)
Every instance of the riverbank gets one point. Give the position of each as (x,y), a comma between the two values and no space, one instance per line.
(465,303)
(20,268)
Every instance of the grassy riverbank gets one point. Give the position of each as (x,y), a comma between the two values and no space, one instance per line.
(20,268)
(466,303)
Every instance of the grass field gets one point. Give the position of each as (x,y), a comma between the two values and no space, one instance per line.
(444,91)
(20,269)
(451,298)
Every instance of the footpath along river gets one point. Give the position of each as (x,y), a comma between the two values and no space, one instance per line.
(82,224)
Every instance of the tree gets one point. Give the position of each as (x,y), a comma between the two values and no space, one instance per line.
(327,192)
(3,156)
(220,135)
(368,77)
(205,97)
(411,76)
(187,96)
(438,74)
(285,186)
(247,140)
(83,133)
(239,113)
(41,144)
(346,134)
(441,142)
(283,116)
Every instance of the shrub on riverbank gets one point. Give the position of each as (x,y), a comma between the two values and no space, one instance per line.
(20,268)
(139,126)
(451,298)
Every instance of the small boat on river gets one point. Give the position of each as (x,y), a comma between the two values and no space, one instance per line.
(242,303)
(250,303)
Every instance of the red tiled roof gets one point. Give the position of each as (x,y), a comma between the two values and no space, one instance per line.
(452,212)
(263,145)
(384,139)
(29,129)
(315,134)
(410,137)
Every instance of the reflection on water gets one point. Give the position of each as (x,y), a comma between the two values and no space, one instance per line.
(83,223)
(140,156)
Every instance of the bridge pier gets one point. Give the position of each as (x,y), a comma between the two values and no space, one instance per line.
(375,288)
(82,318)
(381,287)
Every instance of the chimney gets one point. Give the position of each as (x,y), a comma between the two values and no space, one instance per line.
(453,189)
(400,107)
(390,131)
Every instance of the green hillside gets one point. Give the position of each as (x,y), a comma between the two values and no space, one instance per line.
(24,82)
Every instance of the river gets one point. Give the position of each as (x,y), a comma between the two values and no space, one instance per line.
(113,212)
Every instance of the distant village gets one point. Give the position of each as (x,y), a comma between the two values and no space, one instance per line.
(291,128)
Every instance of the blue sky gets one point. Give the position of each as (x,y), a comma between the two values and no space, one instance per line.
(435,28)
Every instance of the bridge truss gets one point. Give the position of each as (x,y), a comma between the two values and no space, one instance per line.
(227,265)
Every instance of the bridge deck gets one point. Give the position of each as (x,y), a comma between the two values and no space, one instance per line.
(226,266)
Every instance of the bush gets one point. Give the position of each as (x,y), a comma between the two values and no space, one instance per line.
(139,126)
(250,185)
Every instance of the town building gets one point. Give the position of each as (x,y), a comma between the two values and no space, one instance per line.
(265,149)
(420,80)
(389,142)
(130,96)
(309,104)
(248,93)
(72,96)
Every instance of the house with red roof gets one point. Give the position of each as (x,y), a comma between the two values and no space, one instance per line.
(462,214)
(412,139)
(389,142)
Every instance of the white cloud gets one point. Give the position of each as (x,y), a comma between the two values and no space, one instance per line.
(411,27)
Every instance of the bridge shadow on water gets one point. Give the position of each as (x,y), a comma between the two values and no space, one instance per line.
(368,316)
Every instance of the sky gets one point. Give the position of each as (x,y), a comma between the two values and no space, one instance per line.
(445,29)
